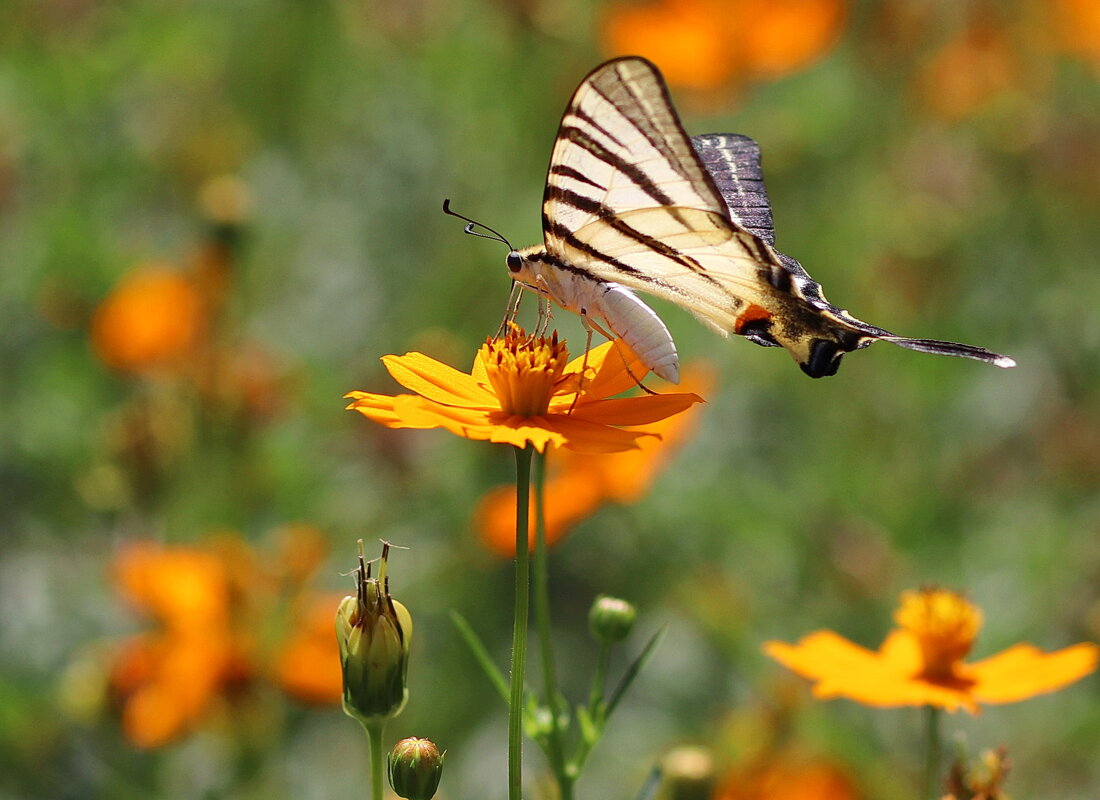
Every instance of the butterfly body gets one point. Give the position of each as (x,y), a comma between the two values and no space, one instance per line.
(610,307)
(630,200)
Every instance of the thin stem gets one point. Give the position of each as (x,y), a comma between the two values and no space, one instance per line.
(556,751)
(932,757)
(595,698)
(374,736)
(519,628)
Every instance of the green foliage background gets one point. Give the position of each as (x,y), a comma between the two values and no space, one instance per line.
(799,504)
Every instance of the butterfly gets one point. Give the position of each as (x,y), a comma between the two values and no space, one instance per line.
(631,203)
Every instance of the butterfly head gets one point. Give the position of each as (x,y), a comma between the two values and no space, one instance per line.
(525,267)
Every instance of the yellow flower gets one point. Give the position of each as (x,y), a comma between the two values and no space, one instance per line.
(579,483)
(921,662)
(523,390)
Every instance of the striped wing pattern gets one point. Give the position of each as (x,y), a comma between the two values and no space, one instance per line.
(631,200)
(733,163)
(628,200)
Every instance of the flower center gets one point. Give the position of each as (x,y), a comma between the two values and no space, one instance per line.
(944,623)
(523,370)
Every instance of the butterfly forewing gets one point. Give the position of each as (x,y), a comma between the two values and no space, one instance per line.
(628,199)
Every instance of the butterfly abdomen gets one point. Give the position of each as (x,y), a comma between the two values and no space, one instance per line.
(639,326)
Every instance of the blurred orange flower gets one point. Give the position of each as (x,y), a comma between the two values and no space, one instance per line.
(704,44)
(921,662)
(579,483)
(211,604)
(522,391)
(788,779)
(153,318)
(1078,23)
(969,71)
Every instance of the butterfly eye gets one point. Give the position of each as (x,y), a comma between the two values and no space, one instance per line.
(515,263)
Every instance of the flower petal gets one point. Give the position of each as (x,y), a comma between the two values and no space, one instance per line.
(378,407)
(610,363)
(1024,671)
(635,410)
(570,497)
(439,382)
(585,436)
(844,669)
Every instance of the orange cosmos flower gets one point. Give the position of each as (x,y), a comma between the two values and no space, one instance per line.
(209,602)
(921,663)
(152,319)
(789,778)
(523,390)
(705,44)
(579,483)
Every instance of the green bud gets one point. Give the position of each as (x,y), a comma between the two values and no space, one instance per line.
(415,767)
(611,619)
(373,631)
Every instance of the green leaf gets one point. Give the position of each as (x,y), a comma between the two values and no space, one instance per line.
(481,655)
(632,671)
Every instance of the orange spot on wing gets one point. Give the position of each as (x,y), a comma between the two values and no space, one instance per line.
(752,314)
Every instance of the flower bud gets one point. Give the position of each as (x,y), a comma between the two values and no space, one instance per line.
(373,631)
(415,767)
(611,619)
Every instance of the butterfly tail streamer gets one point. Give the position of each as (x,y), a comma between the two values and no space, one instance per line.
(937,347)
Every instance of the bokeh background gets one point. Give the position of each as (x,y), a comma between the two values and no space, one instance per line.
(215,217)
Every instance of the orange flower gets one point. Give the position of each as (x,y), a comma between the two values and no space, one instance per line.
(1079,27)
(153,318)
(788,779)
(968,72)
(580,482)
(210,603)
(921,663)
(521,391)
(307,664)
(704,44)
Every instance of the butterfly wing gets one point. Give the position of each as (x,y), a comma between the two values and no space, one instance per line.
(630,200)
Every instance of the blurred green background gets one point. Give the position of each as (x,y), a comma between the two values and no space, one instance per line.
(935,164)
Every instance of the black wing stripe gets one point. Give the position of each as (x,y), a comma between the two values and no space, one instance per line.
(598,209)
(568,172)
(564,234)
(578,137)
(587,119)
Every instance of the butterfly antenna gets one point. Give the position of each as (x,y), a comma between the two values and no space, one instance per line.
(471,224)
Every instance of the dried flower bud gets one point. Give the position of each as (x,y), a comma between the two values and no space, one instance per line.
(611,619)
(415,767)
(373,631)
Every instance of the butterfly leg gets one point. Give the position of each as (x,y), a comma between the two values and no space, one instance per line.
(511,309)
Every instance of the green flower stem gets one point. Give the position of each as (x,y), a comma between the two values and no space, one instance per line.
(595,699)
(932,758)
(556,751)
(519,629)
(377,768)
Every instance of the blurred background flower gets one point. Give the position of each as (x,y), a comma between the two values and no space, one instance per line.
(225,618)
